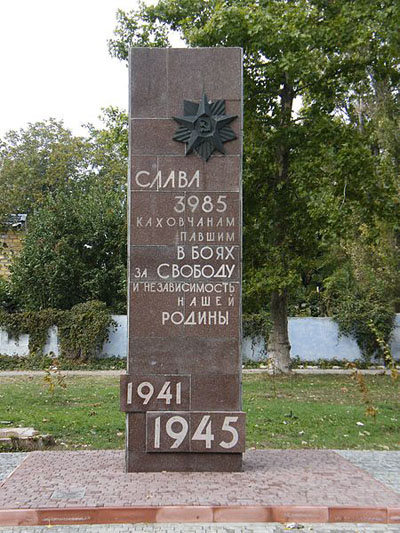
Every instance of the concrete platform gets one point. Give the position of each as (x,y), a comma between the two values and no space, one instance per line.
(90,487)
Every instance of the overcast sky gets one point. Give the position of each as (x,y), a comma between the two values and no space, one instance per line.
(54,61)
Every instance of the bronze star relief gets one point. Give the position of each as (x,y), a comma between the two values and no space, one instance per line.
(204,127)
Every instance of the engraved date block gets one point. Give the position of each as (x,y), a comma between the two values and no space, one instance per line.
(155,392)
(167,432)
(212,431)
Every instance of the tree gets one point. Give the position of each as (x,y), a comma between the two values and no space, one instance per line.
(109,148)
(362,289)
(46,159)
(310,177)
(38,162)
(74,251)
(74,190)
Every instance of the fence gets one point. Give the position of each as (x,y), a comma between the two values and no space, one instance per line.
(311,339)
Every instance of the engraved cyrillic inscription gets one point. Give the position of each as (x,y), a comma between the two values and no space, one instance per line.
(182,389)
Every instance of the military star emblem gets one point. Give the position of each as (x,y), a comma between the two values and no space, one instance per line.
(204,127)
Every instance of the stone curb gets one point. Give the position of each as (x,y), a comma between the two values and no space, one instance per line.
(199,514)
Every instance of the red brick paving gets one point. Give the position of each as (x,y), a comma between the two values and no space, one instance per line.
(275,485)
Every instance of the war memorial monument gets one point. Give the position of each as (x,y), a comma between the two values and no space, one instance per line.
(182,390)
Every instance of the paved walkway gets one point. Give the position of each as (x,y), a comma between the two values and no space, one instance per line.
(316,477)
(8,463)
(383,466)
(96,478)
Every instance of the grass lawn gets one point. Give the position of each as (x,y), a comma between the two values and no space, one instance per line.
(304,411)
(299,411)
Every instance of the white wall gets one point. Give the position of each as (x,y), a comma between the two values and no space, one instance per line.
(314,338)
(20,347)
(311,339)
(118,341)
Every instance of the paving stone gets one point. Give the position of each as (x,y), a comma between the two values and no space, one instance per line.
(269,477)
(309,469)
(383,466)
(9,462)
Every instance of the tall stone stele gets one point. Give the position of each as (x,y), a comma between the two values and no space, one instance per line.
(182,390)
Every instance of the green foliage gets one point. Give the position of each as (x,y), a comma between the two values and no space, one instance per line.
(36,324)
(74,190)
(75,251)
(256,325)
(330,363)
(250,364)
(39,361)
(355,317)
(387,353)
(137,27)
(109,149)
(82,330)
(36,361)
(317,172)
(358,377)
(362,289)
(38,162)
(7,300)
(46,159)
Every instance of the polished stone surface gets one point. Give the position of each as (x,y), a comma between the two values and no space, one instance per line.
(185,260)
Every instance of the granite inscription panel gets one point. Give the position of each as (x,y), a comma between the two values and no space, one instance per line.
(192,431)
(182,390)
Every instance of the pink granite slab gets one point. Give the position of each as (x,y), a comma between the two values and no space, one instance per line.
(275,485)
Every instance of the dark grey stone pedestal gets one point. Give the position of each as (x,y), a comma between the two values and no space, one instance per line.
(182,388)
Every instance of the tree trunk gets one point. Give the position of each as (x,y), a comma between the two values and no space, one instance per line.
(278,343)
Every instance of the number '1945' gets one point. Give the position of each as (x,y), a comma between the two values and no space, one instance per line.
(195,432)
